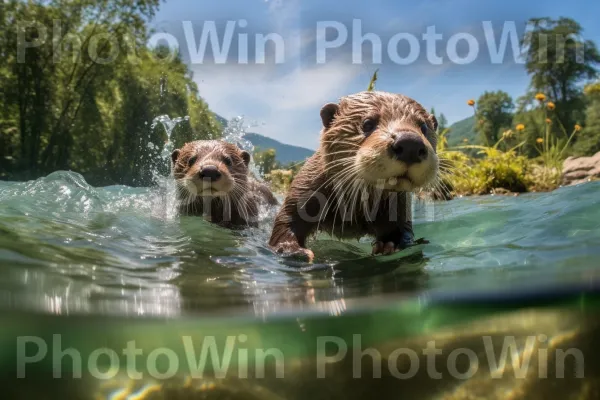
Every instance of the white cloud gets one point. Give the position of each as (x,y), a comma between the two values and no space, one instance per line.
(286,107)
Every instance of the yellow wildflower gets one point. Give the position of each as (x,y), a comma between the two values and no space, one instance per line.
(548,121)
(471,102)
(540,97)
(539,140)
(577,127)
(551,106)
(520,127)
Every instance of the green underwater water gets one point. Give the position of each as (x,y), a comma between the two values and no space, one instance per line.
(109,265)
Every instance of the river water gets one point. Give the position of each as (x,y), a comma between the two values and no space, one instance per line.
(108,264)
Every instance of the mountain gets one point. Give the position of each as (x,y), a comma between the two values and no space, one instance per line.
(461,130)
(284,153)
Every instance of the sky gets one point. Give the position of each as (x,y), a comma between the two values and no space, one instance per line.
(318,55)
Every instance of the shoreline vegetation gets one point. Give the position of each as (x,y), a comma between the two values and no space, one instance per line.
(517,148)
(74,113)
(61,109)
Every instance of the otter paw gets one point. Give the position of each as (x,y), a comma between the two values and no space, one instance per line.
(384,248)
(295,252)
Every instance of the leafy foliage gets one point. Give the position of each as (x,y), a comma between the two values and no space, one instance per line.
(494,115)
(84,100)
(589,141)
(265,160)
(496,169)
(559,60)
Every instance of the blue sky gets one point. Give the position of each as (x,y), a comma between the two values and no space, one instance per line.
(282,100)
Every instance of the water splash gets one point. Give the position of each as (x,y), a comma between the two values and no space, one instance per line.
(169,124)
(234,133)
(166,182)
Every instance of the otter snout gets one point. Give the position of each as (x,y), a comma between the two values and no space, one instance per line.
(409,147)
(210,172)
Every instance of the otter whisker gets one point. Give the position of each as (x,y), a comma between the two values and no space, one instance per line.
(351,173)
(331,178)
(335,189)
(347,205)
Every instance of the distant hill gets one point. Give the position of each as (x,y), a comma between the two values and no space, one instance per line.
(461,130)
(284,153)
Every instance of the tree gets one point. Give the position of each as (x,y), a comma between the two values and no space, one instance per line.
(62,108)
(588,142)
(442,122)
(265,160)
(559,61)
(494,115)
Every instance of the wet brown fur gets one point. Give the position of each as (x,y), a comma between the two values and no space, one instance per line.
(237,204)
(318,191)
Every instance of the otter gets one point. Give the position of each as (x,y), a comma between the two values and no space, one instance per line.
(375,148)
(213,181)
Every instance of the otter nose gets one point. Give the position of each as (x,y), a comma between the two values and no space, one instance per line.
(410,148)
(210,172)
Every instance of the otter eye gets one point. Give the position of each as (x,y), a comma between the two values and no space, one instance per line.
(369,126)
(192,161)
(424,128)
(227,161)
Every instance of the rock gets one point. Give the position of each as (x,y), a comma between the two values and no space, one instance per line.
(581,169)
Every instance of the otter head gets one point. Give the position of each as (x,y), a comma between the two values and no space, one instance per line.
(210,168)
(387,140)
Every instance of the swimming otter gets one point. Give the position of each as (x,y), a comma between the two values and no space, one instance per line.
(213,181)
(375,148)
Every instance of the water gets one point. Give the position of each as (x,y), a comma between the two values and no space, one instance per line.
(68,248)
(106,266)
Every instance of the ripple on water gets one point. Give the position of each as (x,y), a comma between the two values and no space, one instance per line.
(69,247)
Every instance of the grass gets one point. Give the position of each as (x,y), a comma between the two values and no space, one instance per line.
(280,180)
(500,167)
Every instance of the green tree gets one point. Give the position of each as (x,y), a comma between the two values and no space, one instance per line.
(265,160)
(494,115)
(559,60)
(84,100)
(442,122)
(588,142)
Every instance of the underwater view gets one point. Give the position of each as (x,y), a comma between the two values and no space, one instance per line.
(298,199)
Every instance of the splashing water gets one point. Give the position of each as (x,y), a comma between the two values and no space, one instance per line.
(167,182)
(169,124)
(234,133)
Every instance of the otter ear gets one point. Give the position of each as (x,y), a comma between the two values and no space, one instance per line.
(434,122)
(175,155)
(246,157)
(328,114)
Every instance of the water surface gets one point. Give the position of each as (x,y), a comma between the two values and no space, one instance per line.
(69,248)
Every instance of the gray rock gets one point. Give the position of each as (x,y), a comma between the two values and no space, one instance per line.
(581,169)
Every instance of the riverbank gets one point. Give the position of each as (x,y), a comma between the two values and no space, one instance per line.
(493,173)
